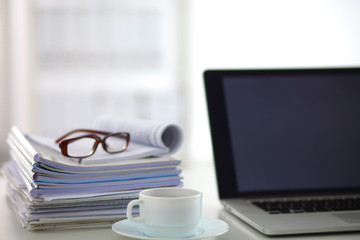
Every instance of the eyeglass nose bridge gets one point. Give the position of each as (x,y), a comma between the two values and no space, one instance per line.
(96,143)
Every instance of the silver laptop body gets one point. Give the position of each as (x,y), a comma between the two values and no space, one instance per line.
(286,146)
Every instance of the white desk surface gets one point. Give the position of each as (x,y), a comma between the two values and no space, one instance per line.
(199,176)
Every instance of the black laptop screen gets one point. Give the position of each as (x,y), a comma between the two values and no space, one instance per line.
(290,130)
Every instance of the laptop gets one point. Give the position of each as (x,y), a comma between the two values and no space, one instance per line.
(286,145)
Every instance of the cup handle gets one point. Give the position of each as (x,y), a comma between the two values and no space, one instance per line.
(130,208)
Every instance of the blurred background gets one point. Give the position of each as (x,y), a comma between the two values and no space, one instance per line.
(64,62)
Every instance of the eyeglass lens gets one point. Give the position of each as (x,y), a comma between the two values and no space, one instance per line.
(115,143)
(81,147)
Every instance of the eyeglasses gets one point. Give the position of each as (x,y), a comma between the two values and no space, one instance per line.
(85,145)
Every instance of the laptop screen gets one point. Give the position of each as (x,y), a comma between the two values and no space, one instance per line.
(285,131)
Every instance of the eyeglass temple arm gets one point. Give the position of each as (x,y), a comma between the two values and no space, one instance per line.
(84,130)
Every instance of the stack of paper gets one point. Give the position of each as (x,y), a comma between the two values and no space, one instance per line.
(52,191)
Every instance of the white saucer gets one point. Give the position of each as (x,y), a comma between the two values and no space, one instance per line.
(208,227)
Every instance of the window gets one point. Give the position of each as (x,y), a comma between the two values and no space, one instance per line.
(88,57)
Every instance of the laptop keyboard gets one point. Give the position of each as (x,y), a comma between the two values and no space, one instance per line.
(301,206)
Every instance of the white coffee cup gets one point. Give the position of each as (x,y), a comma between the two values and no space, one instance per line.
(168,212)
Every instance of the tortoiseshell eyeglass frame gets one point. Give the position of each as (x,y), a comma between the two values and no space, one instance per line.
(63,141)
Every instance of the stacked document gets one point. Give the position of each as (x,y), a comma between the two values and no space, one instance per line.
(50,191)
